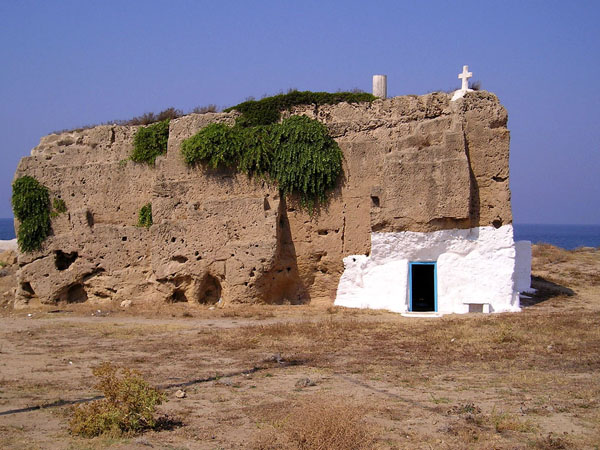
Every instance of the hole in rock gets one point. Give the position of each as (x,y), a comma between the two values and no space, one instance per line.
(497,223)
(62,260)
(178,296)
(89,217)
(210,290)
(179,258)
(375,201)
(323,232)
(124,238)
(267,205)
(173,239)
(76,294)
(27,288)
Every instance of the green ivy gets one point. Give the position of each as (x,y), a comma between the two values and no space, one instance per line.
(150,142)
(307,161)
(145,216)
(268,110)
(298,154)
(31,206)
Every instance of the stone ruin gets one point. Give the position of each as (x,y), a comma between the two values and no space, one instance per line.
(425,182)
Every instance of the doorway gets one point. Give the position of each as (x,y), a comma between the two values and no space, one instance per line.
(422,286)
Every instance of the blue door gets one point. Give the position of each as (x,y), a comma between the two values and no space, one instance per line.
(422,286)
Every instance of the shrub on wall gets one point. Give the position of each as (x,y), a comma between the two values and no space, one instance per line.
(31,206)
(215,145)
(145,216)
(298,154)
(150,142)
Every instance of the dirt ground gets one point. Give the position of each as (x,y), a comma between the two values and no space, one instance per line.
(305,377)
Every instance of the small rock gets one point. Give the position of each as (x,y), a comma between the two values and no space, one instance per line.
(211,308)
(4,272)
(224,382)
(125,303)
(305,382)
(276,358)
(180,393)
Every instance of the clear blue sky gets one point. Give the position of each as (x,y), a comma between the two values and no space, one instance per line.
(70,63)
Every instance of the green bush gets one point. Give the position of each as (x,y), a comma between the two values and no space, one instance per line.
(268,110)
(215,145)
(145,216)
(150,142)
(128,406)
(31,206)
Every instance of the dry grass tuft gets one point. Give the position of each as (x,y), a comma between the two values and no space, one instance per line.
(504,421)
(319,423)
(552,442)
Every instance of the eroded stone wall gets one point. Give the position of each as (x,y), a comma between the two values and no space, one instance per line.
(410,164)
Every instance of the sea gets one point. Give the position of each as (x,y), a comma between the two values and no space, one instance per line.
(565,236)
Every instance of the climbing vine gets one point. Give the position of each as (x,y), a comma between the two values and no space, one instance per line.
(31,206)
(150,142)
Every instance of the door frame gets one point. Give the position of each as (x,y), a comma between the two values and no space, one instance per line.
(435,293)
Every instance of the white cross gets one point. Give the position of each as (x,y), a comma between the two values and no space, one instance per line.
(465,75)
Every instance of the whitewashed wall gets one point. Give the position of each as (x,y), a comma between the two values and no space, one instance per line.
(523,266)
(476,265)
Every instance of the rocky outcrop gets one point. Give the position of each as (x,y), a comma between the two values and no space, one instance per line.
(410,163)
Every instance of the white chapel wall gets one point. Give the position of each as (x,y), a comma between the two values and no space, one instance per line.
(475,265)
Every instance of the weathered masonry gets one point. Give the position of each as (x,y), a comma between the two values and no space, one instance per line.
(419,221)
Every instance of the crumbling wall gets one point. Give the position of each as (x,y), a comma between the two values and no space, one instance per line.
(410,163)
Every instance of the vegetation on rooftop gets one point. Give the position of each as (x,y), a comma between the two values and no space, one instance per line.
(31,206)
(267,111)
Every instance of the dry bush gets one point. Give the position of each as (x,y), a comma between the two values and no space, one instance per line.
(549,254)
(503,421)
(319,423)
(205,109)
(128,406)
(552,442)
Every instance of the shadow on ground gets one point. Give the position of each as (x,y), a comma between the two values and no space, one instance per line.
(545,290)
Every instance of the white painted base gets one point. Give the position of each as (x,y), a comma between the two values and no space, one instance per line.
(474,266)
(459,94)
(523,266)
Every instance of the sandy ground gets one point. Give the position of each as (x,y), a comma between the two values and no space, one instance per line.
(526,380)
